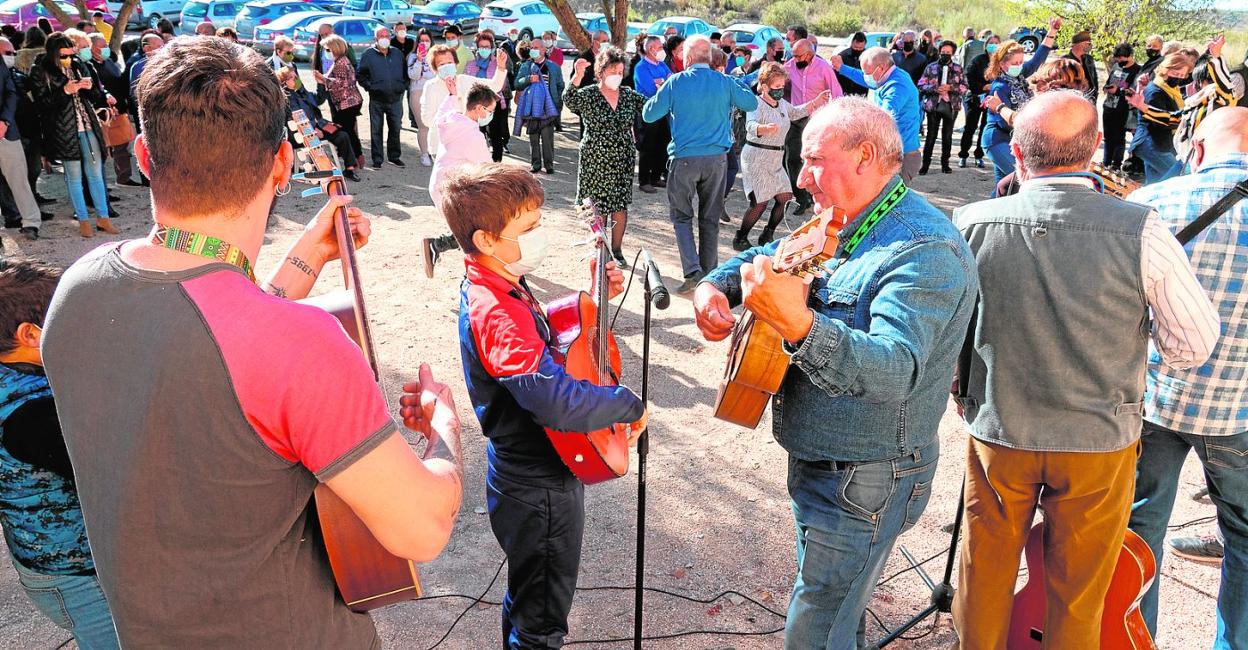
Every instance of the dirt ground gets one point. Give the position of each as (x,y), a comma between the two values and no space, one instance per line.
(718,515)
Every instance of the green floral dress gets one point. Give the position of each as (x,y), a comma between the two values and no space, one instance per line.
(608,156)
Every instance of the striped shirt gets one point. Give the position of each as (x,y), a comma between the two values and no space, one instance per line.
(1211,400)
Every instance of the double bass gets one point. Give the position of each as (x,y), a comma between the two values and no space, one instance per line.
(580,326)
(367,575)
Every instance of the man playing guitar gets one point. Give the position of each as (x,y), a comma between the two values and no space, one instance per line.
(873,346)
(199,432)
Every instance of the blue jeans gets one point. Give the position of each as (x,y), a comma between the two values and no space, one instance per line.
(848,515)
(91,163)
(73,603)
(1158,164)
(996,143)
(1225,461)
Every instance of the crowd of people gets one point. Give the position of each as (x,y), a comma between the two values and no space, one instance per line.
(916,303)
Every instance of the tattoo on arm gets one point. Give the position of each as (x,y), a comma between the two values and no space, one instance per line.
(302,266)
(275,290)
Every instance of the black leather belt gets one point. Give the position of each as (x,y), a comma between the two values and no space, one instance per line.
(764,146)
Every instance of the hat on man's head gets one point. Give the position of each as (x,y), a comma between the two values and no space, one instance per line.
(1082,37)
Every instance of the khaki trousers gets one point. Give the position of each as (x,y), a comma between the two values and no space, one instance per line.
(1086,498)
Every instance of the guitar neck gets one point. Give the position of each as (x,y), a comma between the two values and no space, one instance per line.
(351,277)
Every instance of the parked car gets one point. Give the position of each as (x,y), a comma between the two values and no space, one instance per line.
(1029,38)
(262,12)
(386,11)
(755,36)
(531,17)
(24,14)
(880,39)
(284,26)
(357,31)
(685,26)
(593,21)
(440,14)
(220,13)
(150,12)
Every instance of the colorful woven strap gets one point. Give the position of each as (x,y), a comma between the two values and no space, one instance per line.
(887,203)
(203,246)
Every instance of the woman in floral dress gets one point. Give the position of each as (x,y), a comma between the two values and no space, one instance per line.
(762,159)
(608,155)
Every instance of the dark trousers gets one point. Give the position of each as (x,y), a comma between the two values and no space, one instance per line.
(497,134)
(793,160)
(387,113)
(542,146)
(342,143)
(539,525)
(944,124)
(348,120)
(652,161)
(734,168)
(121,162)
(701,179)
(1115,127)
(34,162)
(976,118)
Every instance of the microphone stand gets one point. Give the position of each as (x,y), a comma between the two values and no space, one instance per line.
(643,450)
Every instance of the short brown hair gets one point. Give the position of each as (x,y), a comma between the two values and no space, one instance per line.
(1059,74)
(26,289)
(195,87)
(228,32)
(607,57)
(768,71)
(438,50)
(486,197)
(336,45)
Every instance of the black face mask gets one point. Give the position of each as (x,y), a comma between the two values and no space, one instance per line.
(945,59)
(1152,54)
(908,46)
(801,65)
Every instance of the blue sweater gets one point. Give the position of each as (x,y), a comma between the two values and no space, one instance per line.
(698,102)
(646,73)
(899,96)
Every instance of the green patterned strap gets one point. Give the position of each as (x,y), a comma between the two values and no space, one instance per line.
(202,245)
(882,208)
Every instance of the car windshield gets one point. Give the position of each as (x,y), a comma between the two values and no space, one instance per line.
(740,35)
(192,9)
(493,10)
(356,5)
(439,7)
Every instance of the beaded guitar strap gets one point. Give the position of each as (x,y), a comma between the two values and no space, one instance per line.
(202,245)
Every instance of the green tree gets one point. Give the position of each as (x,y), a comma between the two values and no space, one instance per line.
(616,12)
(63,17)
(1123,21)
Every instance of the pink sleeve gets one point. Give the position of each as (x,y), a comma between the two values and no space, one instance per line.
(304,386)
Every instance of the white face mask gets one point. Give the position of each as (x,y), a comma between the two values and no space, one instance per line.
(533,245)
(660,55)
(548,43)
(485,120)
(452,43)
(446,71)
(10,59)
(613,81)
(329,56)
(383,44)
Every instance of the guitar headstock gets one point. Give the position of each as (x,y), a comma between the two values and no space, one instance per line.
(812,244)
(598,225)
(316,158)
(1115,183)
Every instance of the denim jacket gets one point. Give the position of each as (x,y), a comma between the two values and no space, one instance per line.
(871,379)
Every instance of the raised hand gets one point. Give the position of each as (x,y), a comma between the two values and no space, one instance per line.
(427,406)
(1215,45)
(1055,25)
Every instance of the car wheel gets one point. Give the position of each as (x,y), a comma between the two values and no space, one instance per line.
(1029,43)
(153,20)
(526,34)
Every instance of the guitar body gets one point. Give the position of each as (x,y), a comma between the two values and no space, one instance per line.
(757,365)
(1122,625)
(593,456)
(368,576)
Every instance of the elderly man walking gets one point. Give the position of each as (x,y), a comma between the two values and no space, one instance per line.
(696,103)
(859,411)
(809,76)
(1053,390)
(894,91)
(383,73)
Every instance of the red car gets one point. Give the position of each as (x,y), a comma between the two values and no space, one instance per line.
(24,14)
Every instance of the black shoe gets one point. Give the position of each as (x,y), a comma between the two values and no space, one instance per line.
(979,162)
(741,243)
(113,199)
(536,169)
(144,182)
(946,169)
(962,163)
(431,254)
(648,189)
(766,237)
(923,170)
(377,164)
(351,175)
(12,223)
(660,183)
(620,262)
(723,216)
(397,163)
(31,233)
(129,183)
(46,216)
(43,200)
(550,170)
(802,208)
(690,283)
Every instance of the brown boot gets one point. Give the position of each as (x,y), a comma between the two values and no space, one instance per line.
(105,225)
(85,229)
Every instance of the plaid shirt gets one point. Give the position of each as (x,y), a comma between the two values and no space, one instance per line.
(1211,400)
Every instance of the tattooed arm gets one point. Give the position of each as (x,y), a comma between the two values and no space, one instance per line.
(318,245)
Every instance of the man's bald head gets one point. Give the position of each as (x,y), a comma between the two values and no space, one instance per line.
(850,122)
(1055,131)
(1224,131)
(801,47)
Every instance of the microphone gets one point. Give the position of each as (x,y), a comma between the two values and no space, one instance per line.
(658,292)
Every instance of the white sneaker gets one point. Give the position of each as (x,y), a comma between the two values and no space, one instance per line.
(426,160)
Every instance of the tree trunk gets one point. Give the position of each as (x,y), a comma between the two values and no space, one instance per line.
(82,10)
(567,20)
(56,11)
(119,26)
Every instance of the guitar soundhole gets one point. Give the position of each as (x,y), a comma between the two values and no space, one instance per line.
(1036,635)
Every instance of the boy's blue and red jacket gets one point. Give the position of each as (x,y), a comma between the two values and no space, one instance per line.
(516,379)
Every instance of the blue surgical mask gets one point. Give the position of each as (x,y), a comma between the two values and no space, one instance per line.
(446,71)
(85,55)
(105,52)
(485,121)
(1014,70)
(990,48)
(452,43)
(870,81)
(484,52)
(740,62)
(535,54)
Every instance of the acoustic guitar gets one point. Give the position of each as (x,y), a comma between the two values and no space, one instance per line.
(757,362)
(1122,625)
(1116,184)
(368,576)
(580,326)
